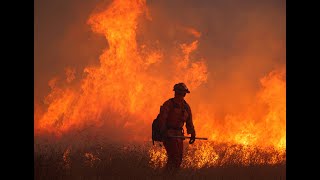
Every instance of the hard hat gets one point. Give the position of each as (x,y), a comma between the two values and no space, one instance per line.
(181,87)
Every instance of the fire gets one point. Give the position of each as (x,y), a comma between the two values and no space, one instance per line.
(122,84)
(211,154)
(252,127)
(66,158)
(242,139)
(70,73)
(193,31)
(201,155)
(158,156)
(91,159)
(123,93)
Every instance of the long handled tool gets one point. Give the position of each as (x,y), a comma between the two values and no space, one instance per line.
(186,137)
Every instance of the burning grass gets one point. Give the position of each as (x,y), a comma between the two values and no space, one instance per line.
(246,127)
(145,161)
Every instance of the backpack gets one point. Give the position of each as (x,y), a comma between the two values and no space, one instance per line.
(156,134)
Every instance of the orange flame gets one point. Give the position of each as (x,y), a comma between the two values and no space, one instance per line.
(193,31)
(91,159)
(70,73)
(122,81)
(123,93)
(249,141)
(253,127)
(66,158)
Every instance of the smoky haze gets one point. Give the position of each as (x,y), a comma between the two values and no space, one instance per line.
(241,42)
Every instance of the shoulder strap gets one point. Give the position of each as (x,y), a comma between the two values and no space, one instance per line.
(173,103)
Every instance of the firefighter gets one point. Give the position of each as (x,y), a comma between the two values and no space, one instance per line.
(173,114)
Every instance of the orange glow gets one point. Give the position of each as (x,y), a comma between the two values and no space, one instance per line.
(122,95)
(91,159)
(194,32)
(250,128)
(70,73)
(66,158)
(122,81)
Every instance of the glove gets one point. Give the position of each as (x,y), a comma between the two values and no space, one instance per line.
(193,138)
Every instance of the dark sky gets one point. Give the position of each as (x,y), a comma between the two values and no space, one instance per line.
(242,40)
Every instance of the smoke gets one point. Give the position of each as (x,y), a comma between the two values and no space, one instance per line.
(62,39)
(241,42)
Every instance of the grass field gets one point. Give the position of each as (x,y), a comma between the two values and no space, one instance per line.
(138,161)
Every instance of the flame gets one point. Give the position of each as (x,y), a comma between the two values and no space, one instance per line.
(249,140)
(252,127)
(66,158)
(211,154)
(122,81)
(201,155)
(158,156)
(122,94)
(91,159)
(193,31)
(70,73)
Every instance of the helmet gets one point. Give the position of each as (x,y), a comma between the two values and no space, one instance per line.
(181,87)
